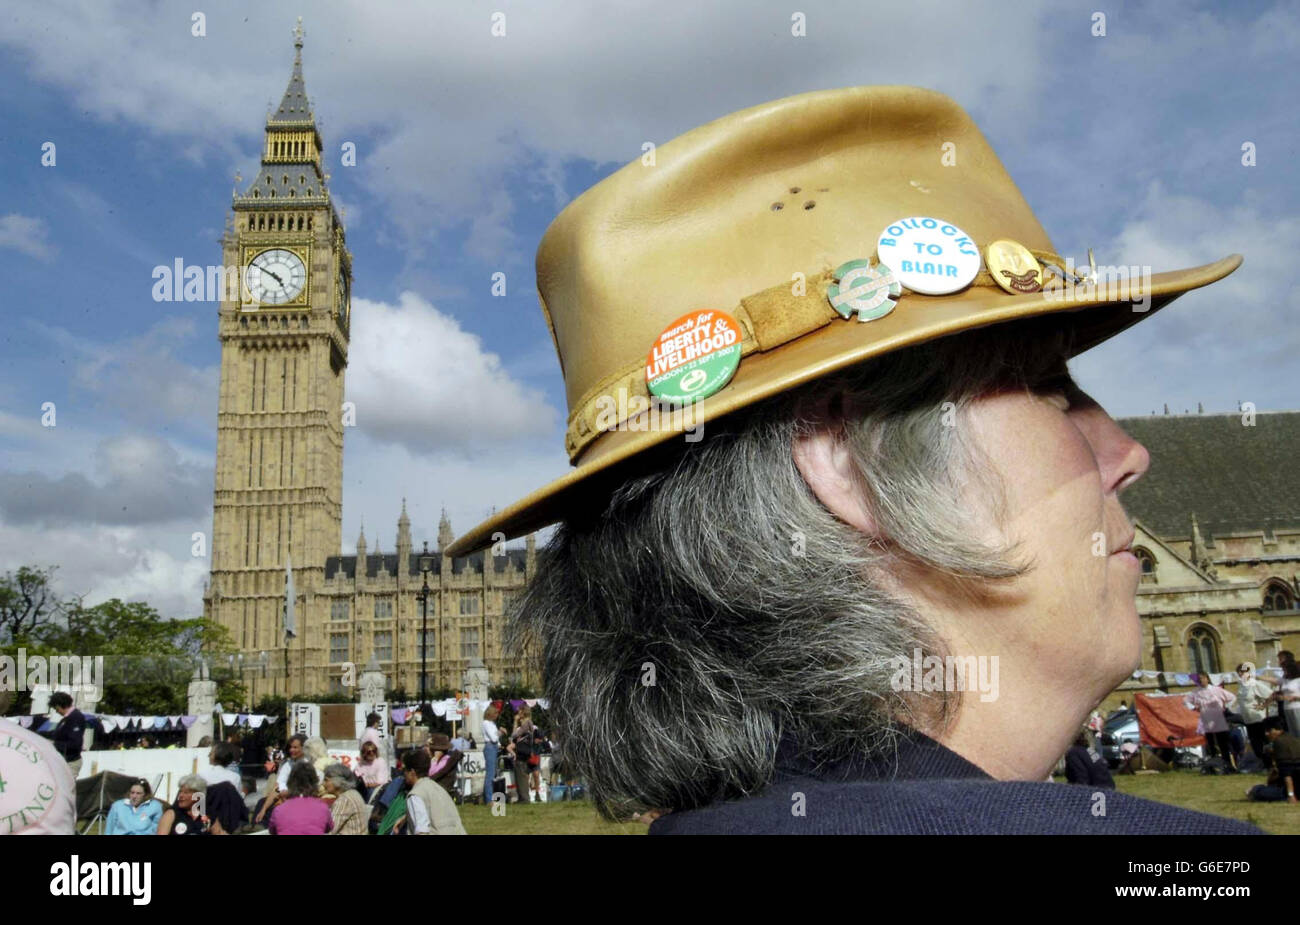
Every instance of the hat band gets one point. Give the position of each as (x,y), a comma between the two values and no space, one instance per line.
(770,318)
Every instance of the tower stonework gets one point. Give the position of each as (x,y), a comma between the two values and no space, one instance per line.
(278,494)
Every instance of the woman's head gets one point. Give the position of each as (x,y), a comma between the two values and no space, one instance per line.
(338,778)
(303,781)
(188,789)
(959,498)
(315,749)
(139,792)
(369,753)
(1202,679)
(491,713)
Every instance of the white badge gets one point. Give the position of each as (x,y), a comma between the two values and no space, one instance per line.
(929,255)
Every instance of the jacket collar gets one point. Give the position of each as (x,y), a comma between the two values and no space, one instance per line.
(918,757)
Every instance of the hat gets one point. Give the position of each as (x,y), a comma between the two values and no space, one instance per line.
(439,742)
(742,252)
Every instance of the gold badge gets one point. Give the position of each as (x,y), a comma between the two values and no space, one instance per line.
(1013,267)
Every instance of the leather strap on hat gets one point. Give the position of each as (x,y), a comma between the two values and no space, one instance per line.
(770,318)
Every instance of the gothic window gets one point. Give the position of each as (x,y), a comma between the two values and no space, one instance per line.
(256,195)
(1278,596)
(1202,651)
(338,647)
(1147,562)
(272,194)
(292,193)
(469,642)
(309,191)
(428,644)
(384,646)
(469,604)
(284,178)
(301,179)
(383,608)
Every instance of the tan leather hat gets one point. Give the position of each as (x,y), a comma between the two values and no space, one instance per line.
(753,215)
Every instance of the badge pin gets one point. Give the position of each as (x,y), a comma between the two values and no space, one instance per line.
(859,287)
(1013,267)
(929,255)
(694,357)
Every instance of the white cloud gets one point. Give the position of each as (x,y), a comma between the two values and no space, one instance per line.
(1233,340)
(27,235)
(419,380)
(131,563)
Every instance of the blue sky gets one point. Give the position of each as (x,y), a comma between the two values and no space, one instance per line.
(468,145)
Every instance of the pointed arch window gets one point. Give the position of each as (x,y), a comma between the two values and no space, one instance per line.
(1147,562)
(1202,650)
(1277,596)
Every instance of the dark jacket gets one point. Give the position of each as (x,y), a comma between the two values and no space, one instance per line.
(69,735)
(930,790)
(1086,767)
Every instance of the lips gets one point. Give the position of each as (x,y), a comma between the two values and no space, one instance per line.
(1126,546)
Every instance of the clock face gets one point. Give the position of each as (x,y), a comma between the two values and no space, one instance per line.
(343,296)
(275,276)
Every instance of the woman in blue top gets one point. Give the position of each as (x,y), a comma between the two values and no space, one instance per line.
(135,814)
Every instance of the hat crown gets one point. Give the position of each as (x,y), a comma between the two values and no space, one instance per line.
(794,186)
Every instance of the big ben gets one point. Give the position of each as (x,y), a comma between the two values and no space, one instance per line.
(284,349)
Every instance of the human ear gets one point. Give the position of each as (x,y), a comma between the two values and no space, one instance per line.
(826,464)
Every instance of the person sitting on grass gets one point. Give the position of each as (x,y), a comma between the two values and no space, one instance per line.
(186,816)
(137,813)
(1285,749)
(302,812)
(1084,766)
(429,809)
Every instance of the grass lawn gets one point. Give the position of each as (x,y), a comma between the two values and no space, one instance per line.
(570,817)
(1206,793)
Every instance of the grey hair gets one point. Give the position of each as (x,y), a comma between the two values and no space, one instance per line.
(343,778)
(194,783)
(693,618)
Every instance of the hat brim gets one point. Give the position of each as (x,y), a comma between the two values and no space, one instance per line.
(621,454)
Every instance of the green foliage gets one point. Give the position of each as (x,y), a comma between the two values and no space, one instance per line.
(148,658)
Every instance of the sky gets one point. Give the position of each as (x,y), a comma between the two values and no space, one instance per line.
(468,145)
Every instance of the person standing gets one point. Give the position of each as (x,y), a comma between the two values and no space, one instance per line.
(1253,697)
(1288,696)
(1210,701)
(491,750)
(521,746)
(70,734)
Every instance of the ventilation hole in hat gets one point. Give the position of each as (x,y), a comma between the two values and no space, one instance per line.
(809,204)
(778,206)
(794,189)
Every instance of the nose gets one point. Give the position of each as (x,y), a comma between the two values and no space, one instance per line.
(1120,459)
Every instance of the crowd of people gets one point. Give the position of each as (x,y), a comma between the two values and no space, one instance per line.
(308,793)
(1262,714)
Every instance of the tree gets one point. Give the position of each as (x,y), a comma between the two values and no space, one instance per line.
(27,602)
(148,658)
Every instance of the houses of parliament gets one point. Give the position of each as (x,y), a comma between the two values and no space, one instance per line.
(1217,516)
(278,492)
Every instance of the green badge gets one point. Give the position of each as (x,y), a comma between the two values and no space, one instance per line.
(694,357)
(859,287)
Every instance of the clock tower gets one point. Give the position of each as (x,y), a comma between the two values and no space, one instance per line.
(278,499)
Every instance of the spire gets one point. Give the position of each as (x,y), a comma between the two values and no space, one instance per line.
(294,107)
(445,536)
(1199,554)
(403,532)
(361,540)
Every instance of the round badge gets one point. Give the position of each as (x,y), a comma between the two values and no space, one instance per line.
(863,289)
(929,255)
(28,787)
(694,357)
(1013,267)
